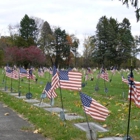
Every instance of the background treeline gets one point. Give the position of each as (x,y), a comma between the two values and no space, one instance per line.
(35,42)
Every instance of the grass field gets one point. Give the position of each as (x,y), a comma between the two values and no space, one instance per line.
(51,126)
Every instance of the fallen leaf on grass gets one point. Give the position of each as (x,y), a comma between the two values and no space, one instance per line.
(110,98)
(61,123)
(37,131)
(75,93)
(136,127)
(104,126)
(100,136)
(53,113)
(119,135)
(77,104)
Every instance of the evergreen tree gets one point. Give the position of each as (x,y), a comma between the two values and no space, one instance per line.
(45,37)
(125,42)
(114,42)
(60,45)
(101,40)
(28,30)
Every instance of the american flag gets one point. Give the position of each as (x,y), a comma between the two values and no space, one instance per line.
(134,90)
(40,72)
(50,91)
(135,93)
(93,108)
(51,86)
(55,78)
(89,70)
(15,75)
(104,75)
(11,73)
(22,72)
(50,70)
(86,77)
(71,80)
(124,80)
(113,70)
(30,74)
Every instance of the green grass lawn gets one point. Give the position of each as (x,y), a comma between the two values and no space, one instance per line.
(51,126)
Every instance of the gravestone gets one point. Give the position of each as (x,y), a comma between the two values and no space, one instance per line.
(55,109)
(93,126)
(71,116)
(21,97)
(42,105)
(31,101)
(14,94)
(111,138)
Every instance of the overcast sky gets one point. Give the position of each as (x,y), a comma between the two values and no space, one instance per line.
(78,17)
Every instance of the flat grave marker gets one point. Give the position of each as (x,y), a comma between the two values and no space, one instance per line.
(14,94)
(42,105)
(20,97)
(71,116)
(32,101)
(54,109)
(111,138)
(93,126)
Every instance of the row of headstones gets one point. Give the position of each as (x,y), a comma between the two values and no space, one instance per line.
(67,116)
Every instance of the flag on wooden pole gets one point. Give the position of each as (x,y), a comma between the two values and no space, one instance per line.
(40,72)
(104,75)
(22,72)
(12,73)
(124,80)
(93,108)
(55,78)
(71,80)
(30,74)
(50,91)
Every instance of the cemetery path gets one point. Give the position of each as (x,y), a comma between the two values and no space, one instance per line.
(13,127)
